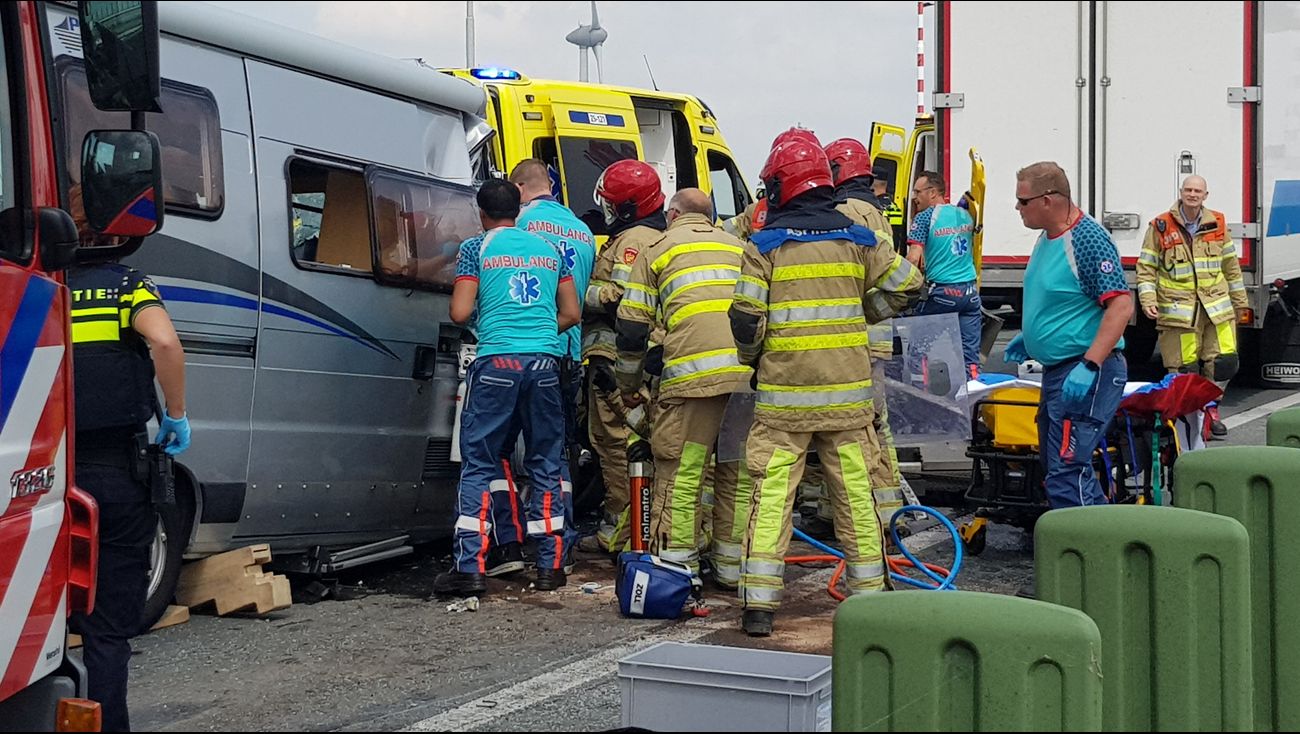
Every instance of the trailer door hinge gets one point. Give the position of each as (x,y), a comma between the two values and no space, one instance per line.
(1245,95)
(1244,230)
(949,100)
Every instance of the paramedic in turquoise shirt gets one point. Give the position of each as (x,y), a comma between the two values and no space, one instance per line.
(1076,305)
(941,237)
(524,298)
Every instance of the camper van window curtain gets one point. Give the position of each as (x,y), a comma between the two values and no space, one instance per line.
(418,227)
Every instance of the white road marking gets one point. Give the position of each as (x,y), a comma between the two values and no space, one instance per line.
(1262,411)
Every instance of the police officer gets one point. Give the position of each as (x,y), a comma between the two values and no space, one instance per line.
(797,313)
(521,290)
(684,282)
(122,338)
(632,199)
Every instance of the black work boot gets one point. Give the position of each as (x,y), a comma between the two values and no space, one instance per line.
(455,583)
(503,559)
(757,622)
(549,579)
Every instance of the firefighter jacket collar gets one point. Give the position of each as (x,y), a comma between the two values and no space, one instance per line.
(1208,222)
(811,210)
(657,220)
(855,188)
(690,219)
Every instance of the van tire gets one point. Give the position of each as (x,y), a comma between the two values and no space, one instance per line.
(170,539)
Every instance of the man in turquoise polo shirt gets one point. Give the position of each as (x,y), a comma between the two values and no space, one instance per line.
(941,237)
(1076,305)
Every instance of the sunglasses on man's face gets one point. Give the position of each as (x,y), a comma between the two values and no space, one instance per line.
(1025,201)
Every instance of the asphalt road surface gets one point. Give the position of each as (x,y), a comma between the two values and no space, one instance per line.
(379,653)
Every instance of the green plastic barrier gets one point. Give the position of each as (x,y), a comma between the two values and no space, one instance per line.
(1284,428)
(963,661)
(1169,589)
(1260,487)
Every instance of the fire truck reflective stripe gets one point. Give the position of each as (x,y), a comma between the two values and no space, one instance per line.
(20,342)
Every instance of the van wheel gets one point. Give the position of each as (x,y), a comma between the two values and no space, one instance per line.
(165,555)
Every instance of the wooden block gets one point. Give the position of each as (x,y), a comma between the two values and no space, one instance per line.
(234,581)
(174,615)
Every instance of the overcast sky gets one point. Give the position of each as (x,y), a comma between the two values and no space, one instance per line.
(831,66)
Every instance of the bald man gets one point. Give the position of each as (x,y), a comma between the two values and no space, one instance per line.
(683,282)
(1189,283)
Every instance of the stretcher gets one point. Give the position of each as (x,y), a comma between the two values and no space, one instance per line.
(1134,461)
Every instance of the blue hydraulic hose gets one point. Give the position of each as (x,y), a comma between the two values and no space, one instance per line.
(941,583)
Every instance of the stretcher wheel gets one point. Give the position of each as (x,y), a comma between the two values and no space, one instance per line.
(973,537)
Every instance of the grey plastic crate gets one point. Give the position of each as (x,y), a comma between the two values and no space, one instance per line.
(675,686)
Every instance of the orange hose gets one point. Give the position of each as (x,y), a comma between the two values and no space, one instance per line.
(897,564)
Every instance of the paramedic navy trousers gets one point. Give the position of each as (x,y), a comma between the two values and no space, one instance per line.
(508,391)
(1069,432)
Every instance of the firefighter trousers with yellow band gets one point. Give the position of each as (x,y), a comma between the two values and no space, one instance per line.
(607,428)
(776,461)
(1199,348)
(887,480)
(685,430)
(732,495)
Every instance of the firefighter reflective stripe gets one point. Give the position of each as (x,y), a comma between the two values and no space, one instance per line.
(761,596)
(881,337)
(1187,344)
(715,305)
(1181,284)
(816,341)
(1177,310)
(689,558)
(769,525)
(685,501)
(1219,307)
(809,271)
(857,484)
(592,298)
(621,273)
(1148,258)
(764,568)
(751,290)
(641,298)
(865,578)
(1227,333)
(815,397)
(545,526)
(899,276)
(471,524)
(692,247)
(1146,287)
(696,277)
(715,362)
(830,312)
(1236,286)
(598,336)
(726,561)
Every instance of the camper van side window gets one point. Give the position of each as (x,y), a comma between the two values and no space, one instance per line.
(329,220)
(13,243)
(418,227)
(189,131)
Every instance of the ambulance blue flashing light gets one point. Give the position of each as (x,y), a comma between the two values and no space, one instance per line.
(493,72)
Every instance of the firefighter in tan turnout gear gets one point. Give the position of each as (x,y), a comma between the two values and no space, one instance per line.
(798,314)
(1189,282)
(684,283)
(632,199)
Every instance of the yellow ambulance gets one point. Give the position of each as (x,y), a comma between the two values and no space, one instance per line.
(580,128)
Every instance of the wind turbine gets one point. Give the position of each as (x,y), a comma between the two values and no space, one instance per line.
(589,37)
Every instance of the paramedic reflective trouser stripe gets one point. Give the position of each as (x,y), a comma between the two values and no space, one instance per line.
(682,441)
(608,431)
(776,462)
(732,493)
(507,392)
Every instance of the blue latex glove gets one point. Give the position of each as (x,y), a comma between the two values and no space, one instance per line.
(1015,352)
(1078,383)
(174,434)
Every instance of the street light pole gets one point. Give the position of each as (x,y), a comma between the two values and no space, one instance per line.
(469,34)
